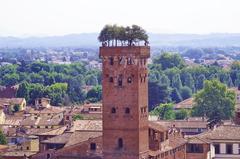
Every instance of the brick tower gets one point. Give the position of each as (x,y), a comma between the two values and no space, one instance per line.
(125,102)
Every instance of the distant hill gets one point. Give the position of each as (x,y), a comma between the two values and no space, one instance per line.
(90,40)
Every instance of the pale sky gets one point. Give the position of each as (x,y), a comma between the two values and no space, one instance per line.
(60,17)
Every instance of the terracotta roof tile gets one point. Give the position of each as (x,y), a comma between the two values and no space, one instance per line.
(87,125)
(53,132)
(224,132)
(183,123)
(79,136)
(186,104)
(60,139)
(155,125)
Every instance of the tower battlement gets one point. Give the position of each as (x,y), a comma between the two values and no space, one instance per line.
(141,51)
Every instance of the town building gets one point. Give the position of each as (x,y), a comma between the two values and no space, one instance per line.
(11,105)
(219,143)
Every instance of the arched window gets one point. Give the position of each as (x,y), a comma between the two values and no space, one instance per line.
(48,156)
(120,80)
(120,143)
(129,61)
(113,111)
(129,80)
(127,110)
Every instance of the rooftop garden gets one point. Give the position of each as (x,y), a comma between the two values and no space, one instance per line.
(114,35)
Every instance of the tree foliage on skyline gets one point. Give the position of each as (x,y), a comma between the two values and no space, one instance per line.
(183,81)
(215,101)
(130,35)
(63,84)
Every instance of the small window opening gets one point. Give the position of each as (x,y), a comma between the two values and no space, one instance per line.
(129,61)
(129,80)
(93,146)
(120,80)
(113,111)
(111,61)
(111,79)
(48,156)
(120,143)
(127,110)
(229,148)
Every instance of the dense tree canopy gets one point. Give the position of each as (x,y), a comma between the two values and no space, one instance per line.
(168,60)
(181,114)
(131,35)
(164,111)
(63,84)
(215,101)
(3,139)
(182,81)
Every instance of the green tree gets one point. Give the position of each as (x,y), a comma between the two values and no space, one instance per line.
(215,101)
(10,79)
(95,94)
(131,34)
(176,82)
(188,80)
(35,91)
(185,92)
(200,82)
(175,95)
(91,80)
(75,90)
(164,80)
(56,93)
(235,68)
(8,69)
(181,114)
(168,60)
(78,117)
(3,139)
(23,90)
(164,111)
(237,81)
(36,78)
(157,93)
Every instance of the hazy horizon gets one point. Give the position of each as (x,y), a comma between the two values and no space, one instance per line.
(27,18)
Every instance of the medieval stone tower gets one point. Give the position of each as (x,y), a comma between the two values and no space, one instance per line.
(125,102)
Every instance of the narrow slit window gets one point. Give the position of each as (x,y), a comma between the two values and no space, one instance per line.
(120,81)
(111,62)
(113,111)
(120,143)
(111,79)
